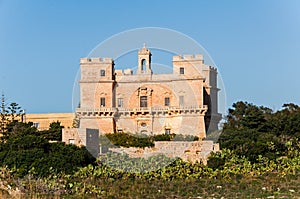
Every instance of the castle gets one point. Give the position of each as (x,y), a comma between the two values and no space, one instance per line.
(111,101)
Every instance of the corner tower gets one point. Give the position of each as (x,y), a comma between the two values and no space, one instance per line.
(144,61)
(97,93)
(97,82)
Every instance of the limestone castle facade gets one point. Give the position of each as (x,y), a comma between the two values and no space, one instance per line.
(183,102)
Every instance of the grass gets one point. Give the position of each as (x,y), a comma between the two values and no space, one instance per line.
(269,186)
(266,186)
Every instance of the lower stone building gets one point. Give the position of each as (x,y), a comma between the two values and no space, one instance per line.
(42,121)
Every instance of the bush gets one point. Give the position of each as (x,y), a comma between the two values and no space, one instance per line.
(127,140)
(140,140)
(252,130)
(164,137)
(215,161)
(24,150)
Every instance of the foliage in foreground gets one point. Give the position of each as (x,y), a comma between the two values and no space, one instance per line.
(25,150)
(235,169)
(252,131)
(238,177)
(262,160)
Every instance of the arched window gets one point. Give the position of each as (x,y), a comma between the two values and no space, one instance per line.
(143,65)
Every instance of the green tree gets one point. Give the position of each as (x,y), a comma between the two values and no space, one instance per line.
(245,115)
(3,115)
(9,114)
(25,149)
(54,133)
(14,111)
(286,121)
(252,131)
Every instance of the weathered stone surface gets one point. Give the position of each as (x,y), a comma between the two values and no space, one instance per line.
(196,151)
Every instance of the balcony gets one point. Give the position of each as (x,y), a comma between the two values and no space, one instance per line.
(143,111)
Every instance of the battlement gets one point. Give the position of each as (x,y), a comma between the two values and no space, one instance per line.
(197,57)
(124,72)
(96,60)
(212,68)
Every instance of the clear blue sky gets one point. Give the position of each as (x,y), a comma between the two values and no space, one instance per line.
(255,44)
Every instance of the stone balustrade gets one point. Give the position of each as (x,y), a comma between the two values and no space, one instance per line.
(142,110)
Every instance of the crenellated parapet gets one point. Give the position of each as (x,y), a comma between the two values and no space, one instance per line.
(120,72)
(213,68)
(196,57)
(96,60)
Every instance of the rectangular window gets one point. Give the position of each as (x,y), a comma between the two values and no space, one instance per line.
(167,131)
(71,141)
(143,101)
(167,101)
(181,100)
(36,124)
(102,101)
(102,73)
(120,102)
(181,70)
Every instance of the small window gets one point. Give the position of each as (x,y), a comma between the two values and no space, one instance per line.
(71,141)
(102,73)
(143,101)
(181,100)
(120,102)
(167,131)
(167,101)
(36,124)
(181,70)
(144,124)
(102,102)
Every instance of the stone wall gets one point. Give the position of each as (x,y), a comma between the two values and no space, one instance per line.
(196,151)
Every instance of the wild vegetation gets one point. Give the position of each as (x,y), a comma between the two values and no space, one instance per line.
(260,158)
(238,178)
(251,130)
(24,149)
